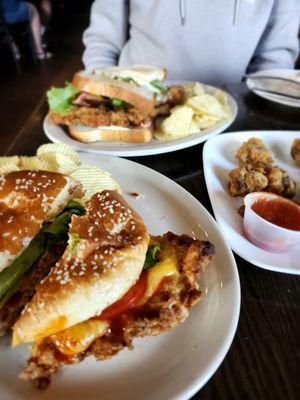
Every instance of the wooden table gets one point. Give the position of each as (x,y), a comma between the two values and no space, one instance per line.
(264,359)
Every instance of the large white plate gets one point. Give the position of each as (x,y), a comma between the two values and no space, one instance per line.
(292,74)
(57,133)
(219,159)
(172,365)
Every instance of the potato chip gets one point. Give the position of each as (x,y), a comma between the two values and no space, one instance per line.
(66,165)
(10,160)
(207,104)
(57,162)
(94,180)
(205,121)
(194,127)
(29,162)
(222,97)
(61,148)
(193,89)
(177,125)
(8,167)
(49,162)
(162,137)
(9,164)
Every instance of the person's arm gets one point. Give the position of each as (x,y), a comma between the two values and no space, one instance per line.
(279,44)
(107,33)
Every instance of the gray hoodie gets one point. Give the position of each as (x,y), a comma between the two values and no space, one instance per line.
(213,41)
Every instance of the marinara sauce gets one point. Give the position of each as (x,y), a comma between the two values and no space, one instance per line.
(278,212)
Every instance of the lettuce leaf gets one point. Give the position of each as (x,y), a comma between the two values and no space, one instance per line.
(151,256)
(60,99)
(158,85)
(119,103)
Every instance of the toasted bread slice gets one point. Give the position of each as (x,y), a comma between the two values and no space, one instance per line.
(138,96)
(140,134)
(141,74)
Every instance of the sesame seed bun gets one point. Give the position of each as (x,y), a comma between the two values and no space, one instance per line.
(27,199)
(105,257)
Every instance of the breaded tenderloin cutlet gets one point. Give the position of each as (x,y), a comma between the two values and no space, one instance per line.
(168,307)
(101,116)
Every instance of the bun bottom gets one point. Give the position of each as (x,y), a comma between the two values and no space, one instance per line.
(140,134)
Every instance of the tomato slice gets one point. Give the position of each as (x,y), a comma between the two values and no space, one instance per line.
(128,301)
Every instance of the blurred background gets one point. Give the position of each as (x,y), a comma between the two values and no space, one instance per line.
(23,81)
(24,78)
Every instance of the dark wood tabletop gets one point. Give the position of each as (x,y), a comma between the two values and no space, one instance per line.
(264,359)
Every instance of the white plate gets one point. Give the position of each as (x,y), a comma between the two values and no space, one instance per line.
(172,365)
(219,159)
(292,74)
(57,133)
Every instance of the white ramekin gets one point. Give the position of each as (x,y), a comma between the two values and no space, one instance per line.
(264,234)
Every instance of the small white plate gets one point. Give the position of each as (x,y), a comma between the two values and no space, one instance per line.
(219,159)
(57,133)
(174,365)
(292,74)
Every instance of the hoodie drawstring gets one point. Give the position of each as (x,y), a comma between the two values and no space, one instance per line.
(237,4)
(182,11)
(236,12)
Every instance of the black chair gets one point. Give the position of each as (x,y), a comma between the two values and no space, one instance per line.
(9,32)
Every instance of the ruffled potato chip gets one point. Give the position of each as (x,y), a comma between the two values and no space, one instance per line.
(49,162)
(177,125)
(60,148)
(94,180)
(30,162)
(66,165)
(205,121)
(10,160)
(194,127)
(222,97)
(193,89)
(57,162)
(207,104)
(9,164)
(8,167)
(159,135)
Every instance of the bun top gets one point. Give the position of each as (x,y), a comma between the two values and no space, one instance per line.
(27,199)
(104,258)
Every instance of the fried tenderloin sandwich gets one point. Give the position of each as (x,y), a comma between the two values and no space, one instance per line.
(105,284)
(113,104)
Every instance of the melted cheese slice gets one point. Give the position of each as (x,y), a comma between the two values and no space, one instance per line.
(79,337)
(155,275)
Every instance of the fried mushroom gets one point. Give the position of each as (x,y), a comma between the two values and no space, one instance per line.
(255,153)
(242,181)
(281,183)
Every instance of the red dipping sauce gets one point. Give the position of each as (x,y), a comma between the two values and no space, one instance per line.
(279,212)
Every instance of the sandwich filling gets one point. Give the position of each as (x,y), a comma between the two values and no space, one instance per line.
(122,97)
